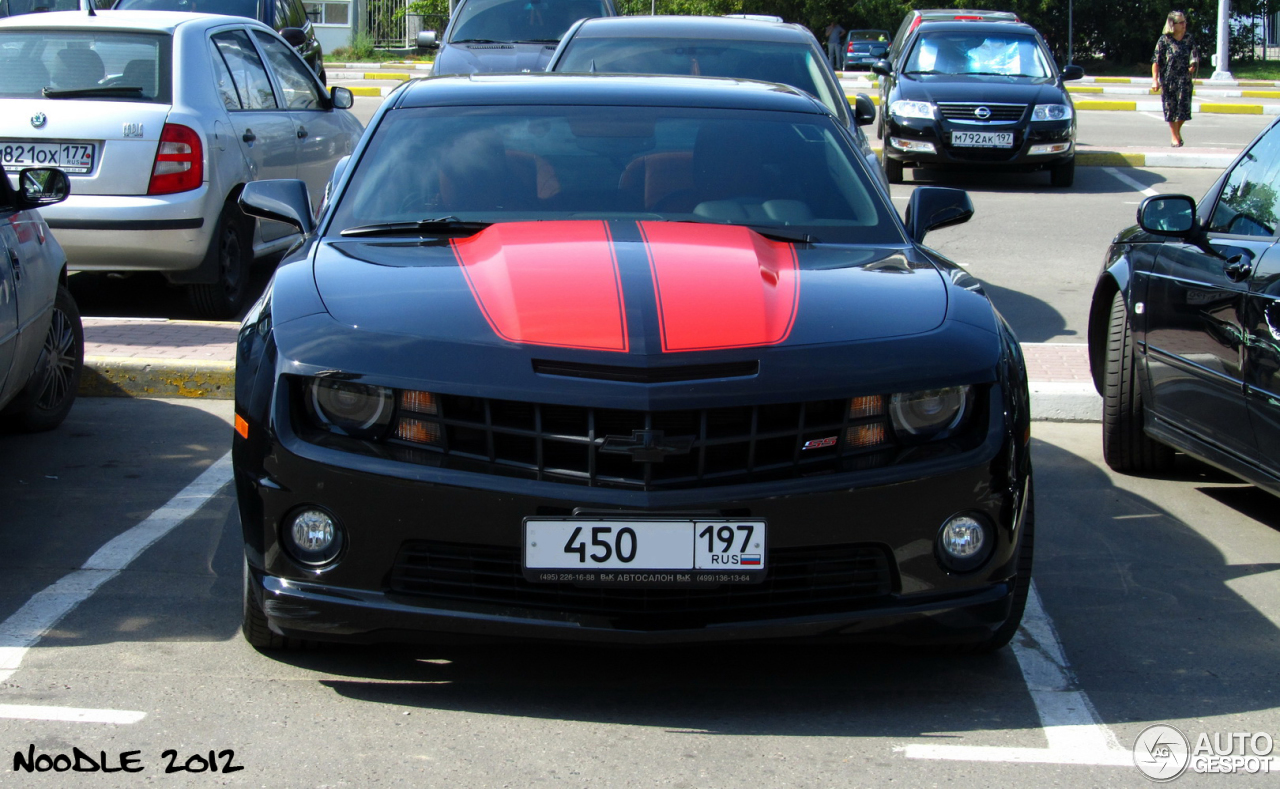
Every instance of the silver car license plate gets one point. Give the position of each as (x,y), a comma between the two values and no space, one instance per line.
(658,552)
(972,139)
(71,157)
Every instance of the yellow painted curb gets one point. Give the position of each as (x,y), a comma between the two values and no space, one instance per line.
(1111,159)
(113,377)
(1232,109)
(1083,89)
(1114,80)
(1255,84)
(1106,105)
(365,90)
(385,75)
(874,99)
(1260,94)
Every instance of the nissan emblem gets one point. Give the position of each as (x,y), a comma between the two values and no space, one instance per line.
(39,120)
(983,113)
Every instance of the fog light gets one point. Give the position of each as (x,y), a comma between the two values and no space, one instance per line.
(964,542)
(913,146)
(1056,147)
(313,536)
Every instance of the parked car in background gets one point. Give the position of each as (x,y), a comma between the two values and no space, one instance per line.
(507,36)
(159,118)
(287,17)
(16,7)
(977,95)
(716,47)
(542,385)
(864,47)
(1184,329)
(41,339)
(919,16)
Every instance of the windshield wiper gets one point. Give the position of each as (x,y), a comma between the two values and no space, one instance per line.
(994,74)
(926,71)
(775,232)
(478,41)
(538,41)
(102,90)
(440,226)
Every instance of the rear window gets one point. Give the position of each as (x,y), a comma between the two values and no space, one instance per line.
(521,20)
(102,66)
(768,61)
(247,8)
(508,164)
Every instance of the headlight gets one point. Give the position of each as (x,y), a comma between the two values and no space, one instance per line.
(1051,112)
(356,410)
(912,109)
(930,413)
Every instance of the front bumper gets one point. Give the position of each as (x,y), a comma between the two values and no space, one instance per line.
(135,232)
(1018,157)
(874,531)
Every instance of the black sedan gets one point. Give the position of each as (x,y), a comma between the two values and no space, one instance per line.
(637,360)
(1184,331)
(983,95)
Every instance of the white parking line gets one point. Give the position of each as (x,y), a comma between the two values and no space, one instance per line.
(1130,182)
(68,714)
(28,624)
(1071,725)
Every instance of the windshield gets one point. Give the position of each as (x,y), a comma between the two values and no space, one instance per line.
(98,66)
(963,52)
(507,164)
(247,8)
(796,64)
(521,20)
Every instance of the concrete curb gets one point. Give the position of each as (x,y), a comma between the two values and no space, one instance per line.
(116,377)
(1209,161)
(1065,402)
(365,90)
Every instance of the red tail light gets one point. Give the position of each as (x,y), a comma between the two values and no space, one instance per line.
(179,165)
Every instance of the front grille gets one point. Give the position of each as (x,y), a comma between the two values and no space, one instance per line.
(967,111)
(654,449)
(804,581)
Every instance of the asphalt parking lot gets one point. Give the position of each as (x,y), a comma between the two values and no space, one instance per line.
(1157,602)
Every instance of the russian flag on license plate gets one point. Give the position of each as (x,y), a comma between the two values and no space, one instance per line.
(750,560)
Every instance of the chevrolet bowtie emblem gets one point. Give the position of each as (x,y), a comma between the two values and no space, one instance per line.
(647,446)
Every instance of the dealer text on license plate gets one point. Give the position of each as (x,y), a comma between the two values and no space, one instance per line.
(644,552)
(72,157)
(969,139)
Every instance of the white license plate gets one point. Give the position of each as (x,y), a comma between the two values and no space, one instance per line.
(72,157)
(644,552)
(969,139)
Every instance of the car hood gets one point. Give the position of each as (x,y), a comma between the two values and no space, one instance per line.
(494,58)
(1012,90)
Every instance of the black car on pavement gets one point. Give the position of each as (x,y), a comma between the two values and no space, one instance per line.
(977,95)
(287,17)
(508,36)
(625,359)
(1184,329)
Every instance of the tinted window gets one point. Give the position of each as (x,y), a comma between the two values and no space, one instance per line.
(1249,202)
(289,13)
(296,81)
(247,71)
(32,60)
(525,163)
(247,8)
(769,61)
(521,20)
(962,52)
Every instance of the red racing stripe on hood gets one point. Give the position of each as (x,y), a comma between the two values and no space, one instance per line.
(547,283)
(721,286)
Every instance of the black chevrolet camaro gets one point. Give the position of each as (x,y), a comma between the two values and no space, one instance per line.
(622,359)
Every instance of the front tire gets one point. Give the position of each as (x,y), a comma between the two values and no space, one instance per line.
(892,170)
(1064,174)
(254,624)
(1125,445)
(47,397)
(232,249)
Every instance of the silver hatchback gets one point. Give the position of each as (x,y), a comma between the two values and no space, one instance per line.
(160,119)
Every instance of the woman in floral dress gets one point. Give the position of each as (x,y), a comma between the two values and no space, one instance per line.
(1172,67)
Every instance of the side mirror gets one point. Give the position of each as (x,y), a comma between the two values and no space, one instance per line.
(864,110)
(1168,215)
(427,39)
(283,200)
(295,36)
(41,186)
(1072,72)
(882,67)
(933,207)
(342,98)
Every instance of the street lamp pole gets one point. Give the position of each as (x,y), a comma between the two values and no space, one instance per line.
(1220,66)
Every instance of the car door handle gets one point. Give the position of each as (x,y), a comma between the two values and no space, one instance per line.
(248,135)
(1238,268)
(302,132)
(17,266)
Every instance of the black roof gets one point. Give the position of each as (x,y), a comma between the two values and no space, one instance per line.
(606,89)
(691,27)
